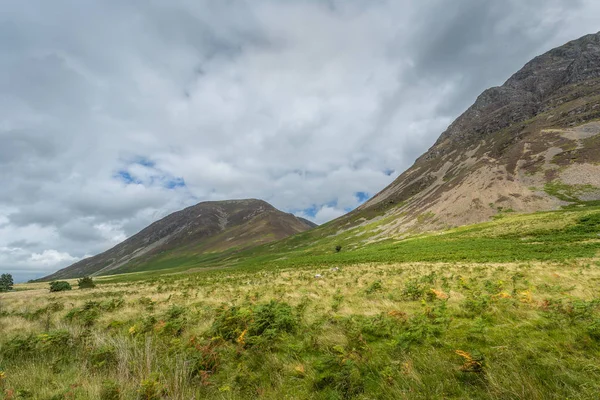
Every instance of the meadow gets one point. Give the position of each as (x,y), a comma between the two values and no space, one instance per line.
(508,309)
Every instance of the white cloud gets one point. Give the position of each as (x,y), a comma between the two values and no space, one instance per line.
(327,213)
(51,258)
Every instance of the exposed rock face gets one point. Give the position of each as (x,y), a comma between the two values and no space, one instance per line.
(205,227)
(531,144)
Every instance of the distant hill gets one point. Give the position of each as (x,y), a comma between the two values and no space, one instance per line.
(213,226)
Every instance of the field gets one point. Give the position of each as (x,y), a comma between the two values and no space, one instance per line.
(508,309)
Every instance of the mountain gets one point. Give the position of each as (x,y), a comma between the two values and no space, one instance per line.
(208,227)
(531,144)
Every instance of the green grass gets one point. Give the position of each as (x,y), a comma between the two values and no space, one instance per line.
(508,309)
(569,193)
(544,236)
(388,331)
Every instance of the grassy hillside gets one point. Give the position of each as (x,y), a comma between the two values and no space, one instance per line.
(205,228)
(508,309)
(554,235)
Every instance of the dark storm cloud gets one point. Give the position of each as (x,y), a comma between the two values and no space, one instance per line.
(114,113)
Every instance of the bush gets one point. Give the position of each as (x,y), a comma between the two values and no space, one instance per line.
(25,346)
(86,315)
(151,389)
(250,324)
(6,282)
(338,248)
(86,283)
(414,290)
(272,319)
(59,286)
(204,360)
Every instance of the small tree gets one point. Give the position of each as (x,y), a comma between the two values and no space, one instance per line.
(86,283)
(59,286)
(6,282)
(338,248)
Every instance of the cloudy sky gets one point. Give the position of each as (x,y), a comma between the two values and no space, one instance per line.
(114,113)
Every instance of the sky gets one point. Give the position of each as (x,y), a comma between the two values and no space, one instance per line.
(115,113)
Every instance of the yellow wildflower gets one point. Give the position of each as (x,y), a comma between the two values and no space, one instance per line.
(440,295)
(133,330)
(240,339)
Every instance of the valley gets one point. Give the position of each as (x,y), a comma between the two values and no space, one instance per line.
(474,274)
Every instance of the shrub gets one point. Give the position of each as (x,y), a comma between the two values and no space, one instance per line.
(151,389)
(249,324)
(172,323)
(6,282)
(414,290)
(204,361)
(476,304)
(86,315)
(431,324)
(59,286)
(338,248)
(86,283)
(272,319)
(25,346)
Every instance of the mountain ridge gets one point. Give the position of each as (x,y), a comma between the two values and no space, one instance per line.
(238,223)
(539,128)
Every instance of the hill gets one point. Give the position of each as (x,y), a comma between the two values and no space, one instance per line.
(213,226)
(531,144)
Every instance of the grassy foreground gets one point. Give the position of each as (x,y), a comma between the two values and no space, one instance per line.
(505,310)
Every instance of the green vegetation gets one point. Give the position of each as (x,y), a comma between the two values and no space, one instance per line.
(504,309)
(554,235)
(389,331)
(6,282)
(59,286)
(569,193)
(86,283)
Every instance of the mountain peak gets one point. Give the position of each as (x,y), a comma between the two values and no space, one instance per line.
(205,227)
(531,144)
(527,92)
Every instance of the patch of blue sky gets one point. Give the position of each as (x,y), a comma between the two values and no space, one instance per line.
(155,176)
(146,162)
(175,183)
(127,178)
(362,196)
(310,211)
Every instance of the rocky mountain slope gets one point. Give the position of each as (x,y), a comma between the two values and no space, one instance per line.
(206,227)
(531,144)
